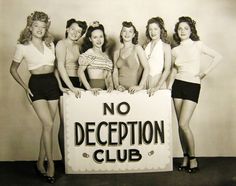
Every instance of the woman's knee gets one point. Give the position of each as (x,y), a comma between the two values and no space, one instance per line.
(48,125)
(184,126)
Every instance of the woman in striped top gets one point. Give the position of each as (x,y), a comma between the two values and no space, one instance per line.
(95,61)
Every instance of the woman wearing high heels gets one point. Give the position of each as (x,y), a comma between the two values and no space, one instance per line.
(187,78)
(130,63)
(95,60)
(36,48)
(158,53)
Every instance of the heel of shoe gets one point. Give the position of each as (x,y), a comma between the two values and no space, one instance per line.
(51,179)
(193,169)
(184,167)
(38,172)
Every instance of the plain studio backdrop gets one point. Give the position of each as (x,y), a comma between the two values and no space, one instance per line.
(214,120)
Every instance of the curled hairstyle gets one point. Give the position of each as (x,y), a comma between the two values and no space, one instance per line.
(81,24)
(87,43)
(26,34)
(159,21)
(128,25)
(192,24)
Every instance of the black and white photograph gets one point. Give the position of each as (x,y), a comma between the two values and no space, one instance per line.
(118,93)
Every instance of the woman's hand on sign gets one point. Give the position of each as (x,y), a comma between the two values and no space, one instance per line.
(151,91)
(95,91)
(64,90)
(109,89)
(120,88)
(134,89)
(77,92)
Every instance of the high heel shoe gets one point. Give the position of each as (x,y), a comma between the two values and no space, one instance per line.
(51,179)
(192,169)
(184,167)
(38,172)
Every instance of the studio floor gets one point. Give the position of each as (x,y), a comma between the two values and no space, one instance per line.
(213,172)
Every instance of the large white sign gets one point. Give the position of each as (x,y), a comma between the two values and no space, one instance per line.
(118,132)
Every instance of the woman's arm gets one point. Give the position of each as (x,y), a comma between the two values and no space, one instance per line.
(143,61)
(13,70)
(172,74)
(109,82)
(165,73)
(214,55)
(81,74)
(115,73)
(61,59)
(167,66)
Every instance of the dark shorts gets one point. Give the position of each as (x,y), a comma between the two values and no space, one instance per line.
(44,86)
(186,90)
(75,82)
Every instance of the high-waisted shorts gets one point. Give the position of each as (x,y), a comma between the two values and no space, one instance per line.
(44,86)
(186,90)
(97,83)
(75,82)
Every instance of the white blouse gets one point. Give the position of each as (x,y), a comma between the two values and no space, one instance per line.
(155,58)
(186,58)
(33,56)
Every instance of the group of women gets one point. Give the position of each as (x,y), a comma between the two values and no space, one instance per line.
(87,66)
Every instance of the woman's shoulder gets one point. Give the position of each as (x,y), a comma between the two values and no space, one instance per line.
(88,52)
(61,44)
(138,48)
(198,43)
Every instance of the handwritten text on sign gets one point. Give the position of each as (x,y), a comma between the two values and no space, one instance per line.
(118,132)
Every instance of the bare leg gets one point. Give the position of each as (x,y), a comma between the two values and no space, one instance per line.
(43,111)
(41,158)
(61,130)
(185,116)
(178,106)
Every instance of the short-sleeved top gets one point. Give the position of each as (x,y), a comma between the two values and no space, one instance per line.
(155,58)
(33,56)
(187,60)
(95,61)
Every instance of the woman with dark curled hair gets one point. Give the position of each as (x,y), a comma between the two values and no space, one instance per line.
(36,48)
(130,63)
(67,54)
(95,60)
(158,53)
(186,78)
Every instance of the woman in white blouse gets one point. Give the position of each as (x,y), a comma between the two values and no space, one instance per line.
(36,48)
(187,77)
(158,53)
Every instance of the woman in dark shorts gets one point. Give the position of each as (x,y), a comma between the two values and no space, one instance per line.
(36,48)
(187,78)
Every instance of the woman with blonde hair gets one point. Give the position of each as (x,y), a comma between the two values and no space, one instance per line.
(36,48)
